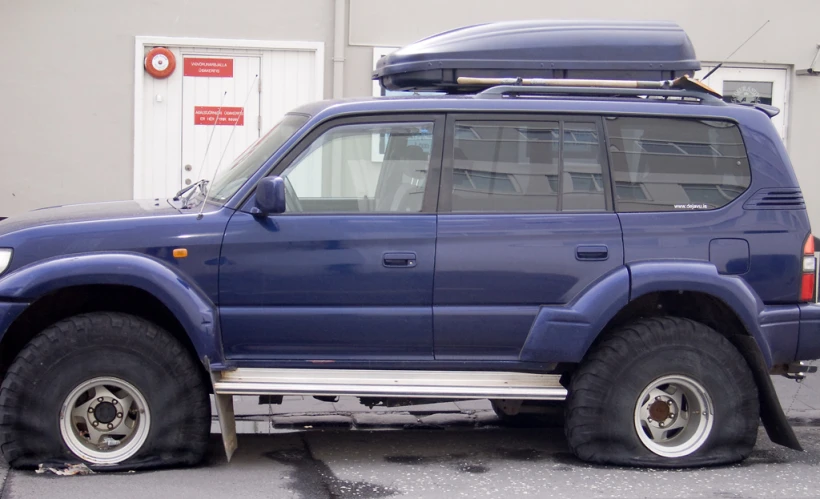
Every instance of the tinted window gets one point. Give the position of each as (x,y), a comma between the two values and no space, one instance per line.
(362,168)
(668,164)
(527,167)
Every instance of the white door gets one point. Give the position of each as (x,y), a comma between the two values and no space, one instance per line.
(220,112)
(753,85)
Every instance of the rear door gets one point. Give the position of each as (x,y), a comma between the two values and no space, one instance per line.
(525,220)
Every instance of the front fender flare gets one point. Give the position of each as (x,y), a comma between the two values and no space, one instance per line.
(189,304)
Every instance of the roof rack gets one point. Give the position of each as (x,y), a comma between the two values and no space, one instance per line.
(680,87)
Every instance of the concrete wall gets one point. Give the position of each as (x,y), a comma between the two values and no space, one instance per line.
(67,83)
(716,27)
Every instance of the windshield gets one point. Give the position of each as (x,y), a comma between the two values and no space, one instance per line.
(234,176)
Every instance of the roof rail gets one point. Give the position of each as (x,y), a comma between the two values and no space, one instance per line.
(680,87)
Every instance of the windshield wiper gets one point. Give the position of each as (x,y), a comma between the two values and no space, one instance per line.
(198,184)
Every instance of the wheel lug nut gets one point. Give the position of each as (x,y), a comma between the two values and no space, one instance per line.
(114,401)
(661,424)
(110,426)
(95,424)
(119,415)
(669,403)
(657,398)
(649,419)
(90,410)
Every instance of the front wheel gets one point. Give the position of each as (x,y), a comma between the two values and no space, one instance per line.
(663,392)
(111,390)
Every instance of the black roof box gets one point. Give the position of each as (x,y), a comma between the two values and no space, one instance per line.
(614,50)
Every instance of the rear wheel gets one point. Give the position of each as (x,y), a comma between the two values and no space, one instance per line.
(663,392)
(108,389)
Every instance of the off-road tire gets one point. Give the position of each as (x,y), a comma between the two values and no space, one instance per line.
(83,347)
(604,390)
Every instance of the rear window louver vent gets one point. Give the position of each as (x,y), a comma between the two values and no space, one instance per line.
(776,199)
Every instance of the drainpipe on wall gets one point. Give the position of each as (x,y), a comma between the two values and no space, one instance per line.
(332,169)
(339,37)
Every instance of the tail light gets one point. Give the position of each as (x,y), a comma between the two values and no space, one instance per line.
(807,282)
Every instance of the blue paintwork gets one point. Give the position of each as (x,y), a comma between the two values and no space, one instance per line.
(485,263)
(730,256)
(184,298)
(779,325)
(124,243)
(486,291)
(292,268)
(564,333)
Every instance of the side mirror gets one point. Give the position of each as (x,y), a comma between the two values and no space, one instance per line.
(270,196)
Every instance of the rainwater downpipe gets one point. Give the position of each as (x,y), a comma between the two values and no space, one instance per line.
(339,37)
(332,183)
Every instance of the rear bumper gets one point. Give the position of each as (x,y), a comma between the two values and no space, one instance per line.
(808,343)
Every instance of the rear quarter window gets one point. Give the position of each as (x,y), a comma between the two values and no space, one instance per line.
(676,164)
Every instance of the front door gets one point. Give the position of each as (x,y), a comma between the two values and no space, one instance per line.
(526,220)
(346,273)
(752,85)
(220,112)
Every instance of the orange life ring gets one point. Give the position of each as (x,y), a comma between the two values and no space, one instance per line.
(160,62)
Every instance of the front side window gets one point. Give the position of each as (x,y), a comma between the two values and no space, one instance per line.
(362,168)
(675,164)
(538,167)
(235,175)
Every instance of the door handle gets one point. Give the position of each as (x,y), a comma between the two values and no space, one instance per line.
(592,252)
(404,259)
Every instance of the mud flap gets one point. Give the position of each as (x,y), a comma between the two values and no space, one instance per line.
(771,412)
(225,414)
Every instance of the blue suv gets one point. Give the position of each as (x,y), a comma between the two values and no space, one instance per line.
(637,252)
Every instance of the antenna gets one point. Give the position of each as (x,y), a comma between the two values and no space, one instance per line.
(733,53)
(227,144)
(213,129)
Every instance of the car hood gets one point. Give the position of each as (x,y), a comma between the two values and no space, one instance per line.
(59,215)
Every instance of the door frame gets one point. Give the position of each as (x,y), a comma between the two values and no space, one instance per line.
(142,42)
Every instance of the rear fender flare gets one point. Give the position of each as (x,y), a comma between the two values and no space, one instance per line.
(189,304)
(565,333)
(703,277)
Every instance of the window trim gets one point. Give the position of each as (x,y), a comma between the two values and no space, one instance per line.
(445,198)
(430,198)
(732,121)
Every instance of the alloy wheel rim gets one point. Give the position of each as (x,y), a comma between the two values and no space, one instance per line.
(674,416)
(105,420)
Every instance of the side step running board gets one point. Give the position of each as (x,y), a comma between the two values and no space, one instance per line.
(367,383)
(416,384)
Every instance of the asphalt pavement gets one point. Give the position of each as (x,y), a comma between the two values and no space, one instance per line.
(306,448)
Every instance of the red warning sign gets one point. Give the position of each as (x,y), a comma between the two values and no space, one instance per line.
(208,67)
(211,115)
